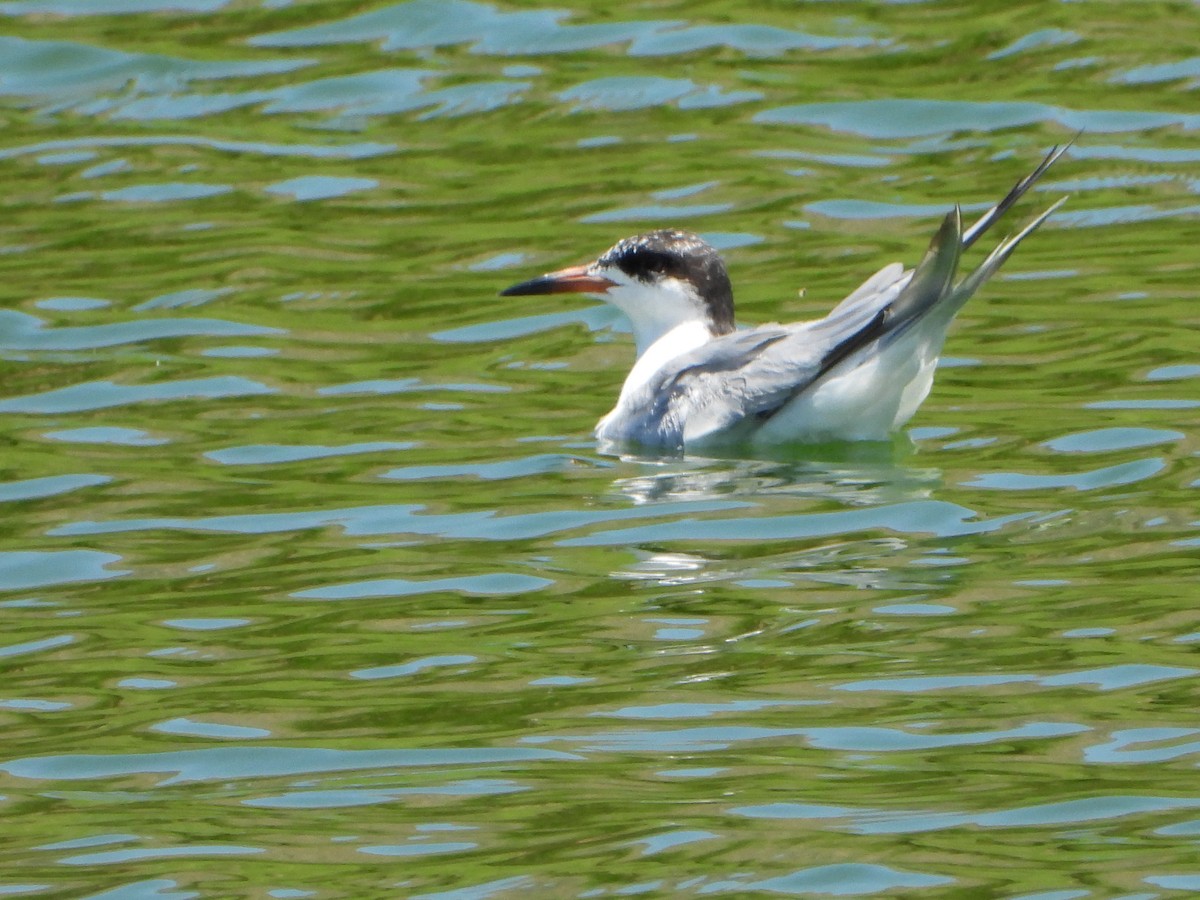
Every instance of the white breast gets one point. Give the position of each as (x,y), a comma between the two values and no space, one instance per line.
(680,339)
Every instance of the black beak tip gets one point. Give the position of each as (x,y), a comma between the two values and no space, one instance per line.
(576,280)
(526,288)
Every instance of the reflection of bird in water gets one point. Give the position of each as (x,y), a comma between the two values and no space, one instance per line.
(828,522)
(857,374)
(849,483)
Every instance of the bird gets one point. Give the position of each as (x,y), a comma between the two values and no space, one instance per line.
(858,374)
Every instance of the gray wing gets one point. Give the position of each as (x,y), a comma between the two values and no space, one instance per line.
(706,384)
(737,381)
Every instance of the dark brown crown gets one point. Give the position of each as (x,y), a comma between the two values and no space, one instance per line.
(678,254)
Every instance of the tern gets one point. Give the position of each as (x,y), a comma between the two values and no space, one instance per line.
(858,374)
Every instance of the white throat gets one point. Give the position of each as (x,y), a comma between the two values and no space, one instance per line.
(658,309)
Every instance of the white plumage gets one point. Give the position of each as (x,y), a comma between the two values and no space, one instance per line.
(857,374)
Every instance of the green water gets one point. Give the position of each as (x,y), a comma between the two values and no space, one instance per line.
(314,583)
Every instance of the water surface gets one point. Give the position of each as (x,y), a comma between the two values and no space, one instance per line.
(316,585)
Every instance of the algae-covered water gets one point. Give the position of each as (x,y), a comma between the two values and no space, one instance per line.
(314,583)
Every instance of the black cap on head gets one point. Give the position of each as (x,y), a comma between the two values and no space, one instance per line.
(682,255)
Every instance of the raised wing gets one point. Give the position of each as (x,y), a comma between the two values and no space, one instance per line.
(734,384)
(757,373)
(707,385)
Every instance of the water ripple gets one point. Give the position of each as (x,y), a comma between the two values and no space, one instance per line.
(401,670)
(840,879)
(62,71)
(1111,476)
(891,119)
(1106,678)
(523,467)
(1035,40)
(274,575)
(437,23)
(128,855)
(219,763)
(21,331)
(50,486)
(107,7)
(24,569)
(105,394)
(704,739)
(351,797)
(1123,748)
(399,519)
(107,434)
(496,584)
(275,454)
(362,150)
(1106,440)
(626,92)
(927,517)
(880,821)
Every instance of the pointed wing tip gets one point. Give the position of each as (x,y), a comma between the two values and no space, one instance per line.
(1056,153)
(950,230)
(1052,209)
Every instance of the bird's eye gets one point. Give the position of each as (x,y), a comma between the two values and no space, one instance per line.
(644,263)
(654,263)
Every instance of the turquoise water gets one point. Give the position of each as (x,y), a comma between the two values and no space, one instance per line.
(316,585)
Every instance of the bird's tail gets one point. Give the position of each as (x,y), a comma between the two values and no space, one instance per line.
(969,285)
(931,294)
(989,218)
(932,284)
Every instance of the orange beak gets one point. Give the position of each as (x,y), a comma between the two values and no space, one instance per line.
(575,280)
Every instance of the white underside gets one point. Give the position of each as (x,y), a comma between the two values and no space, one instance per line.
(867,398)
(679,340)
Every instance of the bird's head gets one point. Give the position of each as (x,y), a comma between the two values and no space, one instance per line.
(660,280)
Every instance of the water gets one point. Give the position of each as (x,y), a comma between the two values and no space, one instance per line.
(315,585)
